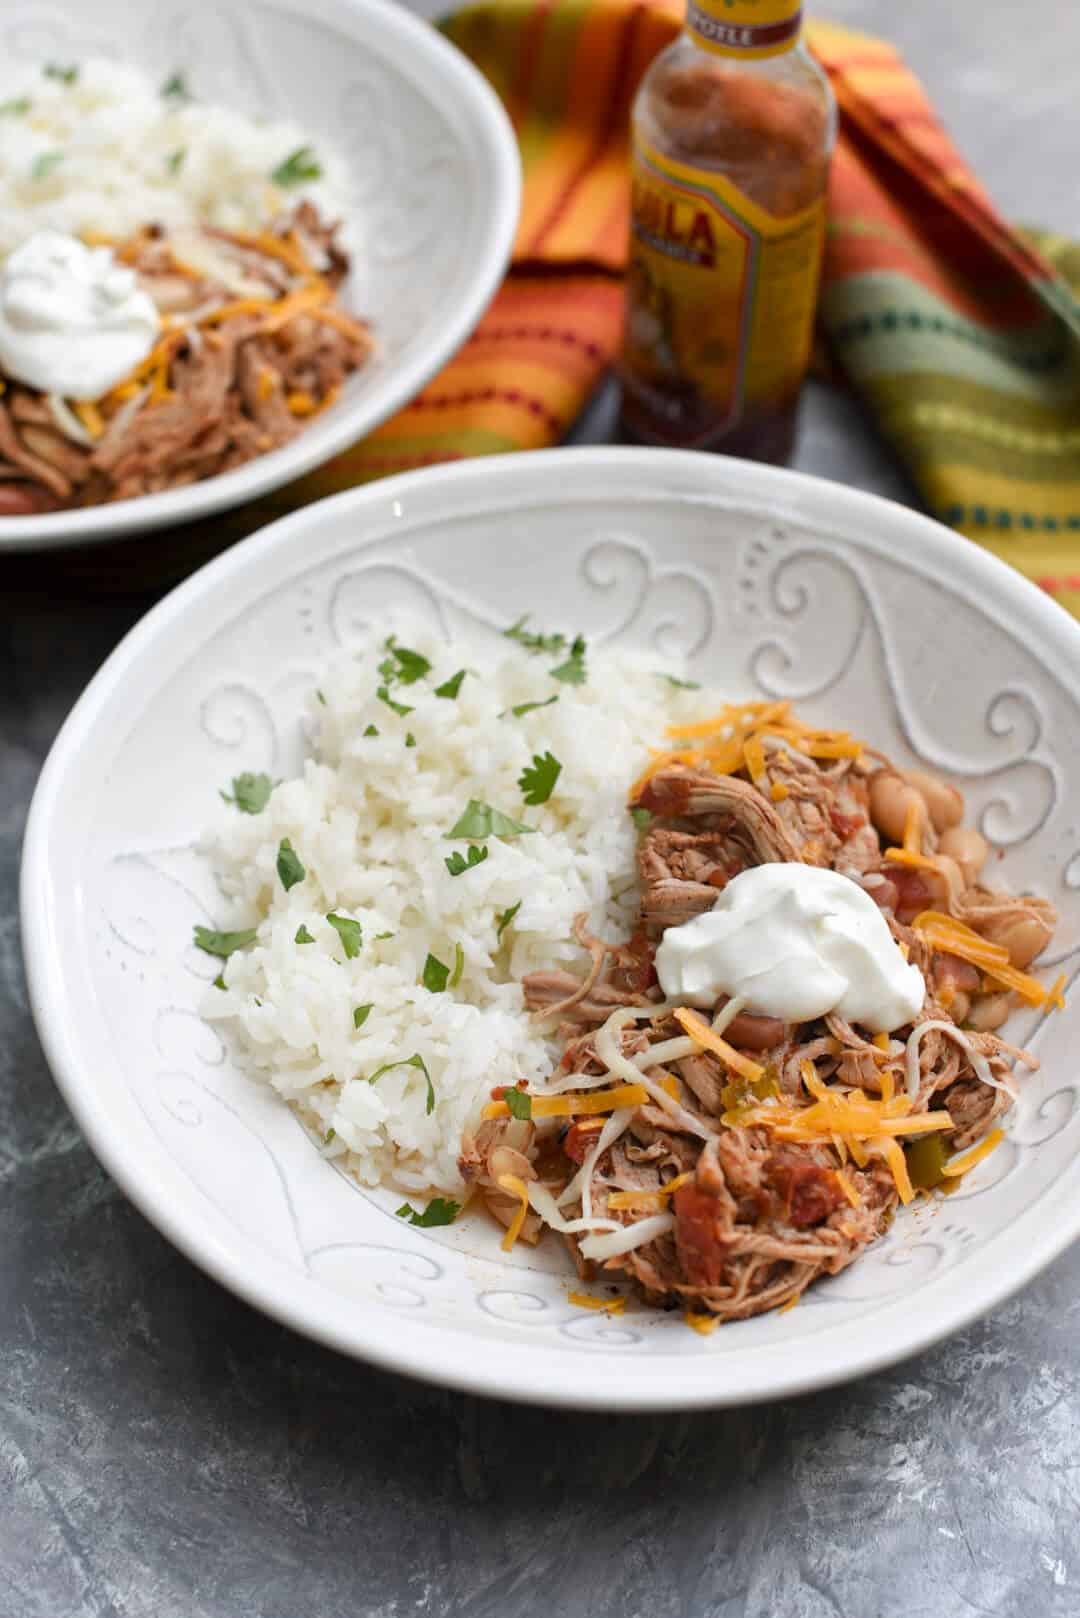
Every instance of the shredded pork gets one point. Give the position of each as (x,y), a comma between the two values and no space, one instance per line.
(254,343)
(755,1218)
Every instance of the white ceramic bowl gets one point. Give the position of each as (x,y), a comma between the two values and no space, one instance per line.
(776,584)
(435,191)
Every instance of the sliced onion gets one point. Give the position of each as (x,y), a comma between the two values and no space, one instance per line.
(581,1184)
(607,1050)
(669,1050)
(628,1237)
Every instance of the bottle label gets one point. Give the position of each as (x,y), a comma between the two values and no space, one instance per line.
(720,294)
(745,28)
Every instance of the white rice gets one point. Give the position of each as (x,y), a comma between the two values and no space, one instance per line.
(101,154)
(369,819)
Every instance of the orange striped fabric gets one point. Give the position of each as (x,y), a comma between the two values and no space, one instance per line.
(959,335)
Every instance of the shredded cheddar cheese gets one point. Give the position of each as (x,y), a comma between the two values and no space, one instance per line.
(90,416)
(585,1300)
(967,1160)
(847,1188)
(702,1035)
(650,1201)
(956,938)
(704,1325)
(516,1188)
(568,1106)
(734,739)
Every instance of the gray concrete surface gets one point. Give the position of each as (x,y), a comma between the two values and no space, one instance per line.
(167,1453)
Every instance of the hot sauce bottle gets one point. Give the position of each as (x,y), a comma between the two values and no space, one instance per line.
(732,130)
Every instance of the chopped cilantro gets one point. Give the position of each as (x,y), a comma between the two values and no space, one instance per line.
(519,1103)
(552,644)
(452,686)
(64,75)
(175,88)
(299,166)
(404,664)
(682,685)
(329,1136)
(219,982)
(503,921)
(398,707)
(378,936)
(350,933)
(459,966)
(457,863)
(302,936)
(537,783)
(572,672)
(641,818)
(527,707)
(250,793)
(371,731)
(16,107)
(410,739)
(44,163)
(175,160)
(481,820)
(409,1061)
(439,1211)
(361,1014)
(320,696)
(435,975)
(289,865)
(223,944)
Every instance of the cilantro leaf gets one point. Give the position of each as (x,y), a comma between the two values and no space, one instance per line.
(44,163)
(329,1136)
(537,783)
(302,936)
(175,160)
(411,666)
(320,696)
(682,685)
(435,975)
(527,707)
(219,982)
(410,739)
(361,1014)
(519,1103)
(299,166)
(382,935)
(350,933)
(371,731)
(552,644)
(289,865)
(439,1211)
(16,107)
(223,944)
(175,88)
(481,820)
(503,921)
(416,1061)
(398,707)
(64,75)
(459,966)
(250,793)
(572,672)
(641,818)
(452,686)
(457,863)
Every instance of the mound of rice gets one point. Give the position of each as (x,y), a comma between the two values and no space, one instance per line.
(96,146)
(368,820)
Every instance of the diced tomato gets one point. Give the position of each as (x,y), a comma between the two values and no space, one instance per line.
(703,1251)
(579,1141)
(810,1193)
(846,826)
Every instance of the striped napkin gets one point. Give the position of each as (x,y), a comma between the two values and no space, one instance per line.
(960,333)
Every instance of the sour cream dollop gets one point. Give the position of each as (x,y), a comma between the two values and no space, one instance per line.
(795,942)
(72,320)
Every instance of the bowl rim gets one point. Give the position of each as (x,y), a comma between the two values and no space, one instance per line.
(272,1286)
(345,424)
